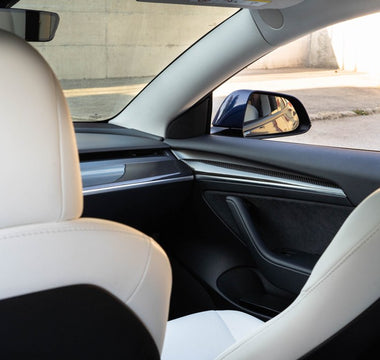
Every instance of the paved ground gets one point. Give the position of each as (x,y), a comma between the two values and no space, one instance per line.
(333,100)
(357,132)
(321,91)
(100,99)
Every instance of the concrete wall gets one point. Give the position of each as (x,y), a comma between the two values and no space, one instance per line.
(314,50)
(117,35)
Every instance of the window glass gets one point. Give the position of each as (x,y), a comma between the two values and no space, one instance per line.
(106,51)
(335,73)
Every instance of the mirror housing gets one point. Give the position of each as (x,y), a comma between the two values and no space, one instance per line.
(30,25)
(260,114)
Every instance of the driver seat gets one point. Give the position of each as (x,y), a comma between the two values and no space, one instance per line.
(68,285)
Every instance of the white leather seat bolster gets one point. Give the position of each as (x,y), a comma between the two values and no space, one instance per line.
(204,335)
(117,258)
(343,284)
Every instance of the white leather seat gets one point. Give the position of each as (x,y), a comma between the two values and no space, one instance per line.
(43,242)
(207,334)
(343,285)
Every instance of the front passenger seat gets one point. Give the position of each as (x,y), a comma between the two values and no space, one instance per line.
(67,285)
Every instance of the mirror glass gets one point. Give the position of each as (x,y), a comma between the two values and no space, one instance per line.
(30,25)
(269,114)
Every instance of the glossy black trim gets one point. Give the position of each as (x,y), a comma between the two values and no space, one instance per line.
(356,172)
(185,126)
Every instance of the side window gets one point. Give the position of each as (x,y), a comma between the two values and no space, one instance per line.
(335,73)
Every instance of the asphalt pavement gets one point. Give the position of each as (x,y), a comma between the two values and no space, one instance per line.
(325,93)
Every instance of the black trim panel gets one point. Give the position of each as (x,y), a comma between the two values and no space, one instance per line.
(106,128)
(184,125)
(95,143)
(344,167)
(77,322)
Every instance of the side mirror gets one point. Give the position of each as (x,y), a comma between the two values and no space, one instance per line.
(30,25)
(260,114)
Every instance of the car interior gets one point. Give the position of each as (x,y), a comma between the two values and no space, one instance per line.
(154,236)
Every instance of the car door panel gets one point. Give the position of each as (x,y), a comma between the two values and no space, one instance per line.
(280,204)
(285,237)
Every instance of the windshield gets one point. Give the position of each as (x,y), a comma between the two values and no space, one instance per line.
(105,52)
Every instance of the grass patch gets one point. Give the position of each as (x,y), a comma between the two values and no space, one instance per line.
(360,112)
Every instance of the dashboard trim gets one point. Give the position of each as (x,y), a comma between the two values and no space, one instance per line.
(205,171)
(104,188)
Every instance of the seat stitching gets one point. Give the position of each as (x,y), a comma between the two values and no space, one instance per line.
(225,325)
(345,257)
(306,294)
(87,229)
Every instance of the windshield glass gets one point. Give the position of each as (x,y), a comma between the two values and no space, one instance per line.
(105,52)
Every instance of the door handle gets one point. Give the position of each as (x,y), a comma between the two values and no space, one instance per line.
(287,271)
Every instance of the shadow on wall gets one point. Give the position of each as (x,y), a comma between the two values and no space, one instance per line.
(322,54)
(311,51)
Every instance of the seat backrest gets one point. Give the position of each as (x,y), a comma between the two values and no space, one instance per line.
(344,285)
(44,245)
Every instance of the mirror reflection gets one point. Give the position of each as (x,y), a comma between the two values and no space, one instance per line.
(269,114)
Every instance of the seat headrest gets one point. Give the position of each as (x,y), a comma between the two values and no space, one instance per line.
(40,175)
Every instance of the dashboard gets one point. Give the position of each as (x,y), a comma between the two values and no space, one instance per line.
(130,177)
(118,161)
